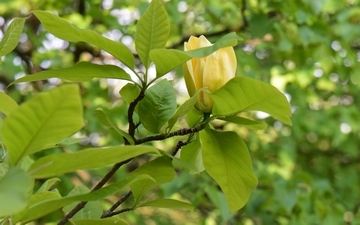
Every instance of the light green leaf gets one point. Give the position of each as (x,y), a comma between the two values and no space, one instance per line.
(43,208)
(65,142)
(183,109)
(53,165)
(15,191)
(47,118)
(158,106)
(12,36)
(62,29)
(227,160)
(105,221)
(168,59)
(252,124)
(130,92)
(47,185)
(152,31)
(179,162)
(193,117)
(82,71)
(245,94)
(192,154)
(160,169)
(92,210)
(107,121)
(168,203)
(8,104)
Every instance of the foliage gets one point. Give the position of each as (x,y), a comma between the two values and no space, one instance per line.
(307,173)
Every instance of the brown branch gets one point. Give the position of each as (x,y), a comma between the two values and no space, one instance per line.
(109,213)
(180,132)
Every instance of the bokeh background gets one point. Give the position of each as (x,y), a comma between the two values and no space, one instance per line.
(310,49)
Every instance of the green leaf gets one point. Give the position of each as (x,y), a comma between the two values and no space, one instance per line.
(82,71)
(168,59)
(192,154)
(47,185)
(15,191)
(130,92)
(193,117)
(47,118)
(8,105)
(183,109)
(65,142)
(160,169)
(158,106)
(227,160)
(168,203)
(66,31)
(107,121)
(43,208)
(252,124)
(152,31)
(53,165)
(12,36)
(179,162)
(105,221)
(245,94)
(92,210)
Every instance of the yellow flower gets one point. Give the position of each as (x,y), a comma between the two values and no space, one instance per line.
(211,72)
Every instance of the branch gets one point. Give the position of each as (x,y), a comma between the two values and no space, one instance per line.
(132,125)
(180,132)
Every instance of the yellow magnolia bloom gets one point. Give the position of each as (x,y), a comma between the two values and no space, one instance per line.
(211,72)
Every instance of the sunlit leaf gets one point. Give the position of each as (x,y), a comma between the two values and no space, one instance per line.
(183,109)
(8,104)
(15,189)
(82,71)
(48,206)
(61,28)
(252,124)
(107,121)
(160,169)
(130,92)
(12,36)
(53,165)
(168,59)
(227,160)
(47,118)
(158,106)
(192,154)
(245,94)
(48,184)
(152,31)
(92,210)
(168,203)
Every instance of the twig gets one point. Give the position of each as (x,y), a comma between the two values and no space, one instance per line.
(113,207)
(178,147)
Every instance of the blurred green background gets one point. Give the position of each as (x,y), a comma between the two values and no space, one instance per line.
(310,49)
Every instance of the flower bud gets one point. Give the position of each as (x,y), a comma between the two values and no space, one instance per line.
(211,72)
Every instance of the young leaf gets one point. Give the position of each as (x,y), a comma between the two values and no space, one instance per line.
(160,169)
(158,106)
(92,209)
(168,203)
(66,31)
(53,165)
(130,92)
(15,189)
(82,71)
(168,59)
(227,160)
(252,124)
(105,221)
(43,208)
(107,121)
(12,36)
(47,118)
(47,185)
(192,153)
(8,105)
(245,94)
(152,31)
(183,109)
